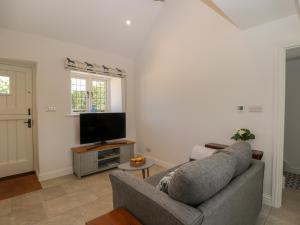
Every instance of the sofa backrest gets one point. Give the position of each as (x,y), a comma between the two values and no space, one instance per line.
(240,202)
(199,180)
(242,151)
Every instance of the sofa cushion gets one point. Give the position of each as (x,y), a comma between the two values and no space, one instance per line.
(199,180)
(242,151)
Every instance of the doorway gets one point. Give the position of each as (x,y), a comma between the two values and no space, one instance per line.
(278,184)
(291,156)
(16,109)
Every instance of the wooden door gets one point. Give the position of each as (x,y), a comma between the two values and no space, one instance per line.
(16,148)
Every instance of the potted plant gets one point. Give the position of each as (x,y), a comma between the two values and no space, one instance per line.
(243,134)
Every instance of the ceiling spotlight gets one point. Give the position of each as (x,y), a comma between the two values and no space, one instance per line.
(128,22)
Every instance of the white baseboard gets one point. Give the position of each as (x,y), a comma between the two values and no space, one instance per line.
(267,199)
(159,162)
(55,173)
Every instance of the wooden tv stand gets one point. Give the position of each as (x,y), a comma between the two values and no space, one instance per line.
(92,159)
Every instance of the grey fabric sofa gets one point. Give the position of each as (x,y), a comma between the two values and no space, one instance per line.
(239,203)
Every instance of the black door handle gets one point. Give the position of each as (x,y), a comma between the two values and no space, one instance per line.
(29,123)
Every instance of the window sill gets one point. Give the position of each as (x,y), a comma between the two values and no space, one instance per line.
(72,114)
(78,114)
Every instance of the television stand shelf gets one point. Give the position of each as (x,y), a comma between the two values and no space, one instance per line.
(87,160)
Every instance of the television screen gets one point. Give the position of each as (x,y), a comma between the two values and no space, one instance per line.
(100,127)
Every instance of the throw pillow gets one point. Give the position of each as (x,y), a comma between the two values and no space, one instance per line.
(163,184)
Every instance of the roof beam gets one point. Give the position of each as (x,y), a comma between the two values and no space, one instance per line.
(214,7)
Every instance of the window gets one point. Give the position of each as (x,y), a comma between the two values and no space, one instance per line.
(79,95)
(89,94)
(99,95)
(4,85)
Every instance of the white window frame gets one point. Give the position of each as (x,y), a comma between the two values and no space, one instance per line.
(89,80)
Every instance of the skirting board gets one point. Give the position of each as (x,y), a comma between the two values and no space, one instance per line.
(158,161)
(55,174)
(267,200)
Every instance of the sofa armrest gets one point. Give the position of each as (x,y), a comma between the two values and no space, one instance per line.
(149,205)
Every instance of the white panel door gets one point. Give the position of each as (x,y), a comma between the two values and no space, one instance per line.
(16,148)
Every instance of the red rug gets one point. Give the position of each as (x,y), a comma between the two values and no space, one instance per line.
(18,185)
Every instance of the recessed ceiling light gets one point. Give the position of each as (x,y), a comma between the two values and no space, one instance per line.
(128,22)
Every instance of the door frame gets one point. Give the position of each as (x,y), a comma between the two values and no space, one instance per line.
(279,121)
(33,66)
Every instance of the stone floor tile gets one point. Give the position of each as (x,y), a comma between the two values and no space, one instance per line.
(71,217)
(53,192)
(5,207)
(58,206)
(7,220)
(95,209)
(58,181)
(80,198)
(25,201)
(32,215)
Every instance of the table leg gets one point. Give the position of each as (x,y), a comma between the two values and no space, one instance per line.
(148,172)
(144,174)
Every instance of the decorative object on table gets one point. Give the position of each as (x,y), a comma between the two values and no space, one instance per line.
(84,66)
(243,134)
(137,161)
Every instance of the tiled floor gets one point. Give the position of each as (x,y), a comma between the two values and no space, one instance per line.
(289,213)
(69,201)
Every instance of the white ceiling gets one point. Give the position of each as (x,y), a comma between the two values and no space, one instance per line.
(98,24)
(249,13)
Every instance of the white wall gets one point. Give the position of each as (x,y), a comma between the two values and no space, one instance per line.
(292,120)
(193,72)
(57,132)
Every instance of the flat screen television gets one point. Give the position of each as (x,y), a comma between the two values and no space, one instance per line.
(101,127)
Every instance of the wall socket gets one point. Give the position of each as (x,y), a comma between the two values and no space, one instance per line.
(255,108)
(148,149)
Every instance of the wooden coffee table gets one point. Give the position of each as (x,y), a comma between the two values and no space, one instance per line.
(116,217)
(127,167)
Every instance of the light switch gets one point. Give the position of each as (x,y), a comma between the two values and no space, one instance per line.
(255,108)
(240,108)
(51,109)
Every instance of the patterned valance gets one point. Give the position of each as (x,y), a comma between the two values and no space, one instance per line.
(77,65)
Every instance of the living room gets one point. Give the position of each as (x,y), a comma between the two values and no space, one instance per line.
(186,73)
